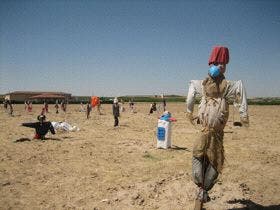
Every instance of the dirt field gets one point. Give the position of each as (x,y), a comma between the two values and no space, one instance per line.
(102,167)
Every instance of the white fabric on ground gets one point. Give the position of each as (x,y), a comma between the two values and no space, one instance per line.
(64,126)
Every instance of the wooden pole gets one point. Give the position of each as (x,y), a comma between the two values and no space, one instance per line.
(198,205)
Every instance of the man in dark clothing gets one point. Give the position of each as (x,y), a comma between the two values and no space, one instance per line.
(164,104)
(41,128)
(63,106)
(88,109)
(116,112)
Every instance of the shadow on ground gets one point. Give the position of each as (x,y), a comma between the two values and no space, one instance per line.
(174,147)
(28,139)
(250,205)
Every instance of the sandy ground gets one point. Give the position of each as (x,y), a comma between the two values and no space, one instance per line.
(101,167)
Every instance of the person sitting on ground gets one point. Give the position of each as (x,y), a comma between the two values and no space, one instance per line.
(41,128)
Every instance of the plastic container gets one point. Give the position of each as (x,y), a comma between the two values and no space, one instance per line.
(163,134)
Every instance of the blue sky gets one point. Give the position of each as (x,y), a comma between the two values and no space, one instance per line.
(129,47)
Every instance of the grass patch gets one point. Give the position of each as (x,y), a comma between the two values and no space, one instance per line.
(148,156)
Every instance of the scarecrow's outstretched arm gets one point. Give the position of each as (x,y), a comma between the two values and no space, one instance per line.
(195,88)
(29,125)
(236,90)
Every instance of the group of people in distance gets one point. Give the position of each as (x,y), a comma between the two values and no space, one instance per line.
(213,111)
(45,108)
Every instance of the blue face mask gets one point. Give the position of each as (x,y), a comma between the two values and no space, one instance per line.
(214,71)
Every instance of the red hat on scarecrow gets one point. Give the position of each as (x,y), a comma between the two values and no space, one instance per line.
(219,55)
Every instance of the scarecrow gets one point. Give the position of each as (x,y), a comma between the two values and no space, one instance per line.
(213,111)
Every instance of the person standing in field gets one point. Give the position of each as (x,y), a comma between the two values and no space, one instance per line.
(5,103)
(43,111)
(116,112)
(11,109)
(46,107)
(89,108)
(63,106)
(56,107)
(131,105)
(82,108)
(216,91)
(29,106)
(98,106)
(25,105)
(163,102)
(122,105)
